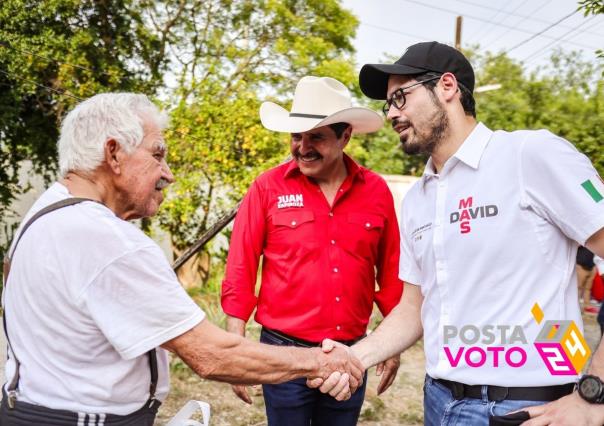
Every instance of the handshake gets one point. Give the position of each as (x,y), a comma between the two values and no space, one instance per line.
(340,372)
(342,382)
(336,371)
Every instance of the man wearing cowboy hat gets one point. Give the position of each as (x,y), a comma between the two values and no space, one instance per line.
(489,236)
(327,230)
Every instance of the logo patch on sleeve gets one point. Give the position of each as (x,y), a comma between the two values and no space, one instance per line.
(594,188)
(291,200)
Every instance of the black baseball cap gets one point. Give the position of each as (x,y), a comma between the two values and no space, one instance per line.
(430,56)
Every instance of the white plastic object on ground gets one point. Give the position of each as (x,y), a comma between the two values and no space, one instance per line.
(183,417)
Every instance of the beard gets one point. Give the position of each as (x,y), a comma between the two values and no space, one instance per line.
(428,133)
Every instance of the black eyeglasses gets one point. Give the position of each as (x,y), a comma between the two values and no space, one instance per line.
(398,98)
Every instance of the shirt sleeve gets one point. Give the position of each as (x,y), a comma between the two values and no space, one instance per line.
(560,184)
(246,245)
(138,303)
(390,287)
(409,270)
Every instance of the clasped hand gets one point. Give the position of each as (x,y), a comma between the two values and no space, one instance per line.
(335,384)
(341,373)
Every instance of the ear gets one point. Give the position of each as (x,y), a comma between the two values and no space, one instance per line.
(346,136)
(113,155)
(449,86)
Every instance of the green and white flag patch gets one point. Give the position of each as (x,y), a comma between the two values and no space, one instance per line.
(595,188)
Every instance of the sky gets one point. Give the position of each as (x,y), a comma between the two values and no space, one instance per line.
(514,26)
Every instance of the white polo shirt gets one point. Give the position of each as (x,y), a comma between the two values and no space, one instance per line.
(492,234)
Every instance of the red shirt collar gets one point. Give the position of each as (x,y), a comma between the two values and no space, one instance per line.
(352,167)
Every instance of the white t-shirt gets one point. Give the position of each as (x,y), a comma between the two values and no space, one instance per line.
(88,296)
(488,237)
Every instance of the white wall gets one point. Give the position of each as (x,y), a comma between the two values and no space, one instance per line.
(399,185)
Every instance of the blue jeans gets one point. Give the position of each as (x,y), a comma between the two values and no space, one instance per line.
(441,409)
(294,404)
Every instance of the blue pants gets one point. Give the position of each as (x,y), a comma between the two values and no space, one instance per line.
(441,409)
(294,404)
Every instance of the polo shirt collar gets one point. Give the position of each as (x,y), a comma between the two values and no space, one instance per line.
(470,152)
(354,170)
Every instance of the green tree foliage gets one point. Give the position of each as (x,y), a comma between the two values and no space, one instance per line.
(565,98)
(217,59)
(73,47)
(231,55)
(591,7)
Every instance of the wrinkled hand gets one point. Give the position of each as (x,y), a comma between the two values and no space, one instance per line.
(242,393)
(332,383)
(570,410)
(387,369)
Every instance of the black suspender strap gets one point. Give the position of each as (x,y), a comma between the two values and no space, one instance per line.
(12,387)
(153,366)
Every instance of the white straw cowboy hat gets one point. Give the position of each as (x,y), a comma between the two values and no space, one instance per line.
(319,101)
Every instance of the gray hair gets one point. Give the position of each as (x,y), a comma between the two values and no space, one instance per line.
(117,116)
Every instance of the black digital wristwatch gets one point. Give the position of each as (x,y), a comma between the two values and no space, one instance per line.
(591,389)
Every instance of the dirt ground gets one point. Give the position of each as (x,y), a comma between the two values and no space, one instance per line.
(399,405)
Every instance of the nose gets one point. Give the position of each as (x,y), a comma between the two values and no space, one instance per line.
(393,112)
(305,144)
(166,172)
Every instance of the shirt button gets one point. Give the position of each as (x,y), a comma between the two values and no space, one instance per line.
(368,225)
(337,298)
(335,269)
(330,214)
(338,327)
(333,242)
(293,223)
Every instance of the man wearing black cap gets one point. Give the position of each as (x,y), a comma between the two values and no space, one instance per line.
(488,242)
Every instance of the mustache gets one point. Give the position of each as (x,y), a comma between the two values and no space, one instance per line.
(161,184)
(298,155)
(398,121)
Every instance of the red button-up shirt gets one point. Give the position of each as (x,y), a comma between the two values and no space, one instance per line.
(320,262)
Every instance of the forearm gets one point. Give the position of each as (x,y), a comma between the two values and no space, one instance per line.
(217,355)
(397,332)
(235,325)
